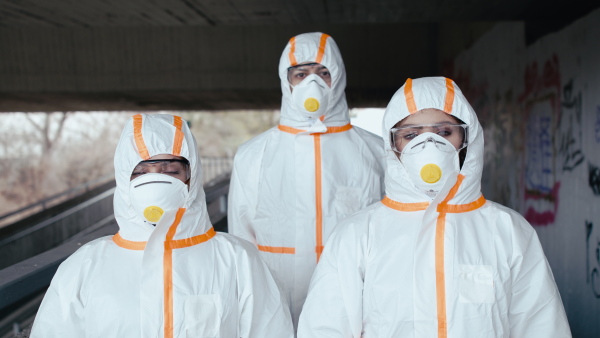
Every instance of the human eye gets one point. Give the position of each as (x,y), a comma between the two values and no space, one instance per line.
(300,75)
(138,171)
(445,130)
(408,134)
(174,168)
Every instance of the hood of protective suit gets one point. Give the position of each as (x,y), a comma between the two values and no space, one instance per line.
(145,136)
(314,48)
(443,94)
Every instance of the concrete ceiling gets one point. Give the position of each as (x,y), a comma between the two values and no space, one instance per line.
(118,13)
(223,54)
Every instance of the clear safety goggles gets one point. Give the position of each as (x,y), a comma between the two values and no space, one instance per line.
(456,134)
(179,168)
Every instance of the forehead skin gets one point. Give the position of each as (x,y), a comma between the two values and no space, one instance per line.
(165,157)
(427,116)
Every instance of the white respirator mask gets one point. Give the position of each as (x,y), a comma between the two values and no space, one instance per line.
(429,159)
(311,96)
(152,194)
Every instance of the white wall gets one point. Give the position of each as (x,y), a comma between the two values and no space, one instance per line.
(540,108)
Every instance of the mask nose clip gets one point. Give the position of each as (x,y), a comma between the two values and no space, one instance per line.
(438,144)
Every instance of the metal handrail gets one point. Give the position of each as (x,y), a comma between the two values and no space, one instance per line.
(211,166)
(84,186)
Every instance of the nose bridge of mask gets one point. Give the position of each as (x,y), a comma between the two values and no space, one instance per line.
(153,194)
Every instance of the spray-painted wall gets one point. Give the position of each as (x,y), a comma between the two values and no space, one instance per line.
(540,109)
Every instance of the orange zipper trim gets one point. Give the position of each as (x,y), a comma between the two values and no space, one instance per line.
(319,196)
(440,277)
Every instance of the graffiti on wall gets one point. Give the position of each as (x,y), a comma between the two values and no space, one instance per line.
(569,130)
(593,258)
(597,125)
(594,178)
(541,103)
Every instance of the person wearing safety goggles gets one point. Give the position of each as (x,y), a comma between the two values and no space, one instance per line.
(292,184)
(166,273)
(434,258)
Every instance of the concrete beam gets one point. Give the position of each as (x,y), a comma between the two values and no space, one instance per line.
(191,68)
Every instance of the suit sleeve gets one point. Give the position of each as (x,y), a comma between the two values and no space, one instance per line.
(262,309)
(61,311)
(536,309)
(239,203)
(333,307)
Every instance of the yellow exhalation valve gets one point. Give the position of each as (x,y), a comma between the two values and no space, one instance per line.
(153,213)
(311,104)
(431,173)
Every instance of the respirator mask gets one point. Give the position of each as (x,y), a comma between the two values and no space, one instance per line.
(311,96)
(152,194)
(430,153)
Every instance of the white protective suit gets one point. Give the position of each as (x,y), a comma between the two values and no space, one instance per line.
(458,266)
(293,183)
(178,279)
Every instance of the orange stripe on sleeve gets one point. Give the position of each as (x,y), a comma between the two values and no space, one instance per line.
(139,138)
(440,277)
(277,249)
(321,51)
(291,55)
(449,101)
(178,140)
(410,97)
(318,191)
(390,203)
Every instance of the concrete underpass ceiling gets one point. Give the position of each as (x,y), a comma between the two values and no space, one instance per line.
(117,13)
(223,54)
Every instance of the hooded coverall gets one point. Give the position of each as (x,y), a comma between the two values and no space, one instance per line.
(178,279)
(458,266)
(292,184)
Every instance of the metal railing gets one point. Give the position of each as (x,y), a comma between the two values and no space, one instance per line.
(53,200)
(212,167)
